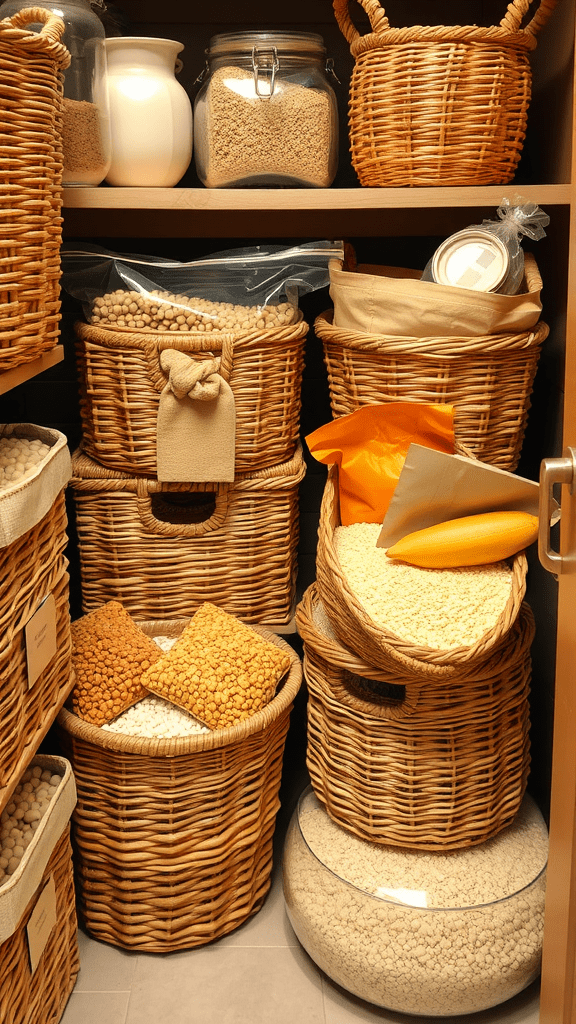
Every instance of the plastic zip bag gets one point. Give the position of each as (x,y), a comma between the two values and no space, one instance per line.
(238,289)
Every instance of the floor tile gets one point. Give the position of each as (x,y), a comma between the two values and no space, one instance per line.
(227,985)
(96,1008)
(103,968)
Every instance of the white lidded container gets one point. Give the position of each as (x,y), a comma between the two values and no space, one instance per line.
(150,113)
(428,934)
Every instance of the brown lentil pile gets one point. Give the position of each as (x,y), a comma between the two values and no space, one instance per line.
(219,669)
(165,311)
(110,654)
(82,142)
(245,135)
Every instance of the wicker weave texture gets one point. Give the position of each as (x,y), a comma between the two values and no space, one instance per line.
(161,559)
(40,998)
(358,632)
(174,837)
(32,567)
(441,766)
(488,380)
(439,105)
(31,66)
(121,381)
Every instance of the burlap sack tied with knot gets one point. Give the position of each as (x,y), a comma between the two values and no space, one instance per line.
(196,426)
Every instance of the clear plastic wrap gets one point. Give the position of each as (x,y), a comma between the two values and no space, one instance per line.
(256,286)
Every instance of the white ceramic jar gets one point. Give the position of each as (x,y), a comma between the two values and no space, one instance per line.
(150,113)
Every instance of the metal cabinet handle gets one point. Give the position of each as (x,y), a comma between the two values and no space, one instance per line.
(554,471)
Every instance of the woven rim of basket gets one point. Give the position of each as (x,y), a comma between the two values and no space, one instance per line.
(491,38)
(438,661)
(17,37)
(127,337)
(429,349)
(180,745)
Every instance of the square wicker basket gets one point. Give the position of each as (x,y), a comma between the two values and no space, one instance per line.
(121,381)
(400,758)
(173,837)
(39,996)
(31,80)
(163,549)
(33,565)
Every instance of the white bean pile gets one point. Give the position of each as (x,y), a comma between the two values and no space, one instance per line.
(437,608)
(22,816)
(347,901)
(164,311)
(19,457)
(155,718)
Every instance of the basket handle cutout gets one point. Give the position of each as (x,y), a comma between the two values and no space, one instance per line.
(378,696)
(182,513)
(511,22)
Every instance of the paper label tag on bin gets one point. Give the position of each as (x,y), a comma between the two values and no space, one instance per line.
(42,921)
(41,638)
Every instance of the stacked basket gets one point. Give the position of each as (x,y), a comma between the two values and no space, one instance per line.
(162,548)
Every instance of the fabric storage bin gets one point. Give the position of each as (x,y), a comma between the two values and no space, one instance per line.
(173,837)
(31,85)
(488,380)
(33,568)
(34,990)
(400,758)
(121,381)
(439,105)
(164,549)
(356,629)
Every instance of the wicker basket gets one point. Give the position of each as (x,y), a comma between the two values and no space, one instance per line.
(163,549)
(439,105)
(358,632)
(401,759)
(488,381)
(39,996)
(121,381)
(31,79)
(173,838)
(33,566)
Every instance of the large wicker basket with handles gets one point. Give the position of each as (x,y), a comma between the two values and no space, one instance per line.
(121,381)
(439,105)
(488,380)
(357,631)
(31,82)
(399,758)
(173,837)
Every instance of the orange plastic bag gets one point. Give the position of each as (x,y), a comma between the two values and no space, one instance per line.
(370,445)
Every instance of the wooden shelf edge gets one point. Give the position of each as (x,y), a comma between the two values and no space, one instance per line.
(203,199)
(19,374)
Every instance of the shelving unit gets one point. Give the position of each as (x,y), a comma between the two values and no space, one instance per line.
(17,375)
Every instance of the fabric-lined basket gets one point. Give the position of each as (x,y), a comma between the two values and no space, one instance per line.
(357,631)
(121,381)
(488,380)
(33,568)
(37,993)
(439,105)
(164,549)
(31,83)
(399,758)
(174,836)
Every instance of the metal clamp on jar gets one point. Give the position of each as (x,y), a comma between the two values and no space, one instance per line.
(266,113)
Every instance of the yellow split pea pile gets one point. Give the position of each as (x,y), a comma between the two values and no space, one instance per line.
(218,670)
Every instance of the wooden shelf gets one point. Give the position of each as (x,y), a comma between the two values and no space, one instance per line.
(12,378)
(250,213)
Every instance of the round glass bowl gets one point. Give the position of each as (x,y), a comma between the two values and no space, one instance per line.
(421,933)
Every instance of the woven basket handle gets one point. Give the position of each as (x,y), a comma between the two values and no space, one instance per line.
(162,528)
(517,11)
(53,25)
(378,20)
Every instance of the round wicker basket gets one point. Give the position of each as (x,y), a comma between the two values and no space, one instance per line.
(173,837)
